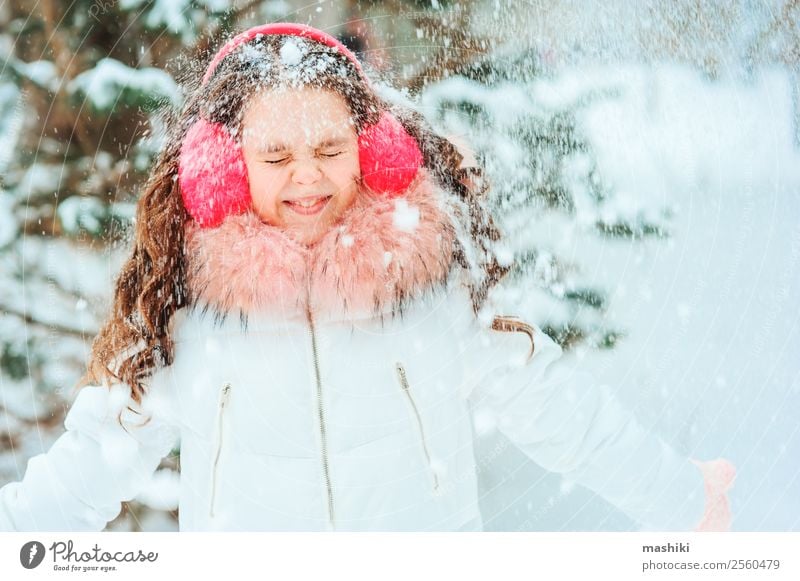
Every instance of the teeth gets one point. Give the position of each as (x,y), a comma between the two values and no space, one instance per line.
(309,203)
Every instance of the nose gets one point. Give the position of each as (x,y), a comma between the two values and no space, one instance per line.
(306,171)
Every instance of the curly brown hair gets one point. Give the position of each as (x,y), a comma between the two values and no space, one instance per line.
(136,340)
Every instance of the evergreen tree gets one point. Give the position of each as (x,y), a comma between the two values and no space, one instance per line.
(540,167)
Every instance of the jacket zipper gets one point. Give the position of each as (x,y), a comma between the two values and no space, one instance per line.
(224,396)
(321,414)
(401,373)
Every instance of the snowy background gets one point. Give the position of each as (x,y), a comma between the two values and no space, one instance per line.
(646,164)
(711,358)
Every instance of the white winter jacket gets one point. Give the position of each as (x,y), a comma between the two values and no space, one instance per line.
(336,391)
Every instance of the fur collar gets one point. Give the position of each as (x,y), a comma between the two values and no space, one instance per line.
(383,253)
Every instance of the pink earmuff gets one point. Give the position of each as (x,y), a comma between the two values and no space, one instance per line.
(212,172)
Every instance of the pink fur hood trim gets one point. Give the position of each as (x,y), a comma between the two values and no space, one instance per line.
(382,253)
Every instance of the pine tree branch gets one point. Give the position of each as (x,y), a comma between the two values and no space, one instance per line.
(71,331)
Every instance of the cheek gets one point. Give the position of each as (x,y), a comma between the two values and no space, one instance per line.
(346,173)
(262,187)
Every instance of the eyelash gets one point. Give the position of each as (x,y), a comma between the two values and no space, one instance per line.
(328,155)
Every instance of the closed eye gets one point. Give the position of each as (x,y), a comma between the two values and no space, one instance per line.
(334,154)
(275,161)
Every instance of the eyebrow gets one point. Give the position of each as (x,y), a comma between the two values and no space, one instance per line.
(280,147)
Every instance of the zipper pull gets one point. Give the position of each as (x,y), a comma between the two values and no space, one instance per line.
(226,393)
(402,373)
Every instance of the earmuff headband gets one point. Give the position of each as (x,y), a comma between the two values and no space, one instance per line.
(213,174)
(277,28)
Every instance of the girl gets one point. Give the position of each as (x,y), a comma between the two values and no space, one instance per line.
(305,311)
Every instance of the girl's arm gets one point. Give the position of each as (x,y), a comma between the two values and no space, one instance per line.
(568,423)
(79,483)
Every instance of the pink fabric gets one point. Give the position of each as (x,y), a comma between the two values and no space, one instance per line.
(212,174)
(382,251)
(389,156)
(718,477)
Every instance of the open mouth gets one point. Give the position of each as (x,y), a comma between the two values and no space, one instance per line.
(308,206)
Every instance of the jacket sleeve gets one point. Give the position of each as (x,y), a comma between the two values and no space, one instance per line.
(79,484)
(569,424)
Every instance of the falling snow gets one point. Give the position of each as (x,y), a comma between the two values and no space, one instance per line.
(706,355)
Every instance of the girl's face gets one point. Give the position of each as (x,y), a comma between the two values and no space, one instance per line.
(301,151)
